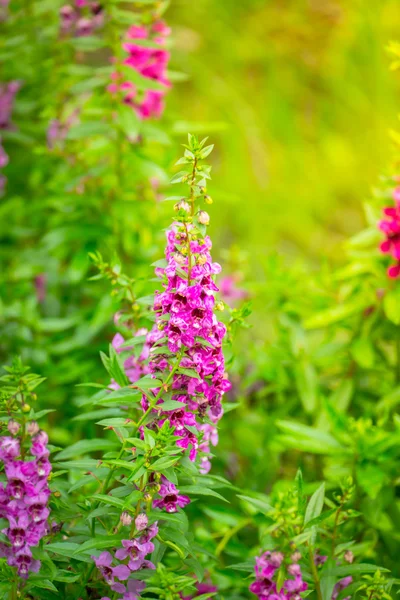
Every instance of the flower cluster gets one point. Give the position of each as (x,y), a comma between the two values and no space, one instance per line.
(265,585)
(185,314)
(390,226)
(23,500)
(82,18)
(150,63)
(7,97)
(134,552)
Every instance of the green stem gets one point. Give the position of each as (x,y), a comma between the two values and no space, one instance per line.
(398,356)
(229,534)
(315,574)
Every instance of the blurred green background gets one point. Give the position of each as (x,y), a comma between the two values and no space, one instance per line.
(300,98)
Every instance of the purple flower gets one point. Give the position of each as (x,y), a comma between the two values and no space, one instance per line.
(135,551)
(170,497)
(103,563)
(23,501)
(341,585)
(265,586)
(7,97)
(134,590)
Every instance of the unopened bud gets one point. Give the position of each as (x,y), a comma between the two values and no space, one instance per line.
(125,518)
(179,258)
(220,306)
(203,217)
(147,497)
(32,428)
(208,200)
(57,494)
(296,556)
(141,522)
(348,556)
(13,427)
(160,326)
(34,397)
(25,408)
(201,259)
(183,206)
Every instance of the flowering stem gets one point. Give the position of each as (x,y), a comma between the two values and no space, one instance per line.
(315,574)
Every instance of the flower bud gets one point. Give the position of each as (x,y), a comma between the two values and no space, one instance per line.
(147,497)
(208,200)
(13,427)
(179,258)
(220,305)
(296,556)
(201,259)
(32,428)
(25,408)
(183,206)
(34,396)
(203,217)
(348,556)
(125,518)
(141,522)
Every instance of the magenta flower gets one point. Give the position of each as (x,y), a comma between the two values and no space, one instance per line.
(170,497)
(202,588)
(150,63)
(229,290)
(390,226)
(265,586)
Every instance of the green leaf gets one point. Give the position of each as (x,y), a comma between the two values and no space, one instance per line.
(86,446)
(354,570)
(261,505)
(109,500)
(199,490)
(309,438)
(189,372)
(68,549)
(100,543)
(87,129)
(116,422)
(123,395)
(337,313)
(307,385)
(315,505)
(171,405)
(164,462)
(147,383)
(391,305)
